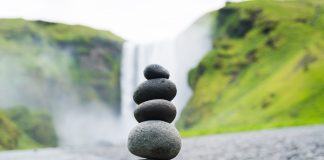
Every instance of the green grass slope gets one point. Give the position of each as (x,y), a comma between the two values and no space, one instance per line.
(9,133)
(21,128)
(266,69)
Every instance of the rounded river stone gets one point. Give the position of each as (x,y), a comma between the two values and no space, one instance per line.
(156,109)
(155,71)
(159,88)
(154,140)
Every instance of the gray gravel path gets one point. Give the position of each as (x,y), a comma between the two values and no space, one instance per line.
(299,143)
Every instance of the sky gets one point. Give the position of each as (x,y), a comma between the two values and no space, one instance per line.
(133,20)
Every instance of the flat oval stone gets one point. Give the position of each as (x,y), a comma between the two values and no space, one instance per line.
(156,109)
(155,71)
(154,140)
(159,88)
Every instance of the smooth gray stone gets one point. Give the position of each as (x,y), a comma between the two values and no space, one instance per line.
(156,109)
(155,71)
(159,88)
(154,140)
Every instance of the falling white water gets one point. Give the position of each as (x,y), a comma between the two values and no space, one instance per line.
(177,55)
(128,84)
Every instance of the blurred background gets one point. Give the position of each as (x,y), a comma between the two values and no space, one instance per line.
(68,68)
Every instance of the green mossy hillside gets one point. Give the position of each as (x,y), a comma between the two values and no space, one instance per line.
(9,133)
(51,67)
(21,128)
(265,69)
(70,58)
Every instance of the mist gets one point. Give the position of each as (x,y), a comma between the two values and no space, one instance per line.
(43,82)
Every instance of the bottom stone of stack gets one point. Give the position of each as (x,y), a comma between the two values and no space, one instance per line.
(154,140)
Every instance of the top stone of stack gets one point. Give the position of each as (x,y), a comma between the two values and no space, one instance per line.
(155,71)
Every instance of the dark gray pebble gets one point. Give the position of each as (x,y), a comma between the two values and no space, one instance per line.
(155,71)
(156,109)
(160,88)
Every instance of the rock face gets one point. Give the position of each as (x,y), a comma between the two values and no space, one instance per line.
(154,137)
(157,109)
(155,71)
(154,140)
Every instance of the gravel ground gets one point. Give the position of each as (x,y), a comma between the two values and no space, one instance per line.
(299,143)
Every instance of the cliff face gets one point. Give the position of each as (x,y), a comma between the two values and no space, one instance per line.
(56,61)
(52,67)
(265,69)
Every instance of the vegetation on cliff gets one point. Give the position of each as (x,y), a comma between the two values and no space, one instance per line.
(52,67)
(62,56)
(22,128)
(8,133)
(265,69)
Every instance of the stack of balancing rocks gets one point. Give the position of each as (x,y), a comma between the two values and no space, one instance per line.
(154,137)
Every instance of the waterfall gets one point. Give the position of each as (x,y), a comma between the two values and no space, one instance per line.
(178,55)
(128,84)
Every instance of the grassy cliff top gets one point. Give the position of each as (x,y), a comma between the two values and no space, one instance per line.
(56,31)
